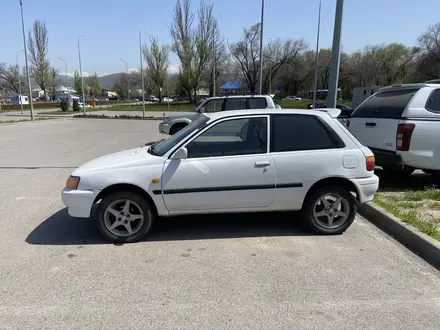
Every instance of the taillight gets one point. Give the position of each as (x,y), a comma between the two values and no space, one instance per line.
(403,136)
(371,163)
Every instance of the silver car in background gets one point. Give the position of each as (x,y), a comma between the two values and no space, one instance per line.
(172,124)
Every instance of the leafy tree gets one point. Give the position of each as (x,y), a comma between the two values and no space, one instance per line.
(77,83)
(192,45)
(38,40)
(94,85)
(156,57)
(53,82)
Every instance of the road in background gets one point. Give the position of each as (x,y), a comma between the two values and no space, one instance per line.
(263,271)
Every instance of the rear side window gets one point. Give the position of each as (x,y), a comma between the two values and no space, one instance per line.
(213,105)
(257,103)
(433,102)
(299,132)
(235,104)
(386,104)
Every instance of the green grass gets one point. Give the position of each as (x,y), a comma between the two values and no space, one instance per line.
(427,226)
(418,195)
(23,120)
(69,112)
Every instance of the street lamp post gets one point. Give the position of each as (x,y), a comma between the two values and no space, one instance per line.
(128,81)
(19,80)
(142,74)
(80,71)
(65,67)
(261,48)
(27,65)
(317,57)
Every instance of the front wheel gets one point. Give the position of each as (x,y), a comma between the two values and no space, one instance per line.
(124,217)
(330,210)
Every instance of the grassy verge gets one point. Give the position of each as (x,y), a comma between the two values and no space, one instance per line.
(70,112)
(23,120)
(419,208)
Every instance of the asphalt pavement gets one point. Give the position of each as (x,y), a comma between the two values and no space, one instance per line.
(264,271)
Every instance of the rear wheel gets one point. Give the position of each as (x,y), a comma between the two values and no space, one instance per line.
(176,127)
(124,217)
(330,210)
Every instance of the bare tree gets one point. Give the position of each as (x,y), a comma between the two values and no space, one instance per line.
(193,46)
(429,62)
(278,55)
(156,57)
(246,53)
(9,77)
(38,40)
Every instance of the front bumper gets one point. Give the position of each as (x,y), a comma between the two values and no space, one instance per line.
(366,188)
(79,202)
(164,128)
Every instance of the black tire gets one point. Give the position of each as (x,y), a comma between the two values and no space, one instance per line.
(436,177)
(407,171)
(176,127)
(316,224)
(136,201)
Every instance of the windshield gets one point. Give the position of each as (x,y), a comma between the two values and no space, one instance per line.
(163,147)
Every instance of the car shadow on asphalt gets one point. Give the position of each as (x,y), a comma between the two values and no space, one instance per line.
(62,229)
(416,181)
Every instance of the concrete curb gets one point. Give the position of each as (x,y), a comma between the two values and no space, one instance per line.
(421,244)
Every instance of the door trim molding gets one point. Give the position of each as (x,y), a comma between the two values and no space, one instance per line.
(227,188)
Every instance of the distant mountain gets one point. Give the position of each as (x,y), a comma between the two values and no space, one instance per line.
(107,81)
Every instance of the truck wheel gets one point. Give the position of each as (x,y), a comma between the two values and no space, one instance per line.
(176,127)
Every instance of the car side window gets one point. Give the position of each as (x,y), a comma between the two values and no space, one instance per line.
(235,103)
(299,132)
(241,136)
(257,103)
(433,102)
(213,105)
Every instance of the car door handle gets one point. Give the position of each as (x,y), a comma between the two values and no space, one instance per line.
(370,124)
(263,163)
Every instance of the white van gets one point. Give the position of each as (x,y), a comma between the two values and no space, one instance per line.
(401,125)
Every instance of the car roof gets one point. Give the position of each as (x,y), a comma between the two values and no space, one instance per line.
(233,113)
(408,86)
(235,96)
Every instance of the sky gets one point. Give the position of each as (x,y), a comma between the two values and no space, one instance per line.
(113,26)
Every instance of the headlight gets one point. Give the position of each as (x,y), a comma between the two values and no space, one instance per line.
(72,182)
(166,120)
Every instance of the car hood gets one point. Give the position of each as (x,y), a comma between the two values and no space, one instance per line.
(189,115)
(126,158)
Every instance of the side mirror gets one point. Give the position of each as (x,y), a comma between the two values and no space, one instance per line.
(182,153)
(202,110)
(277,106)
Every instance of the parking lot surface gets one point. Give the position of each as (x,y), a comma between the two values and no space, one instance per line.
(264,271)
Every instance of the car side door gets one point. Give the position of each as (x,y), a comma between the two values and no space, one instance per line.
(227,167)
(305,149)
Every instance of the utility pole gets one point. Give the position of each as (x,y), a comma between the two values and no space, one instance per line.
(82,82)
(142,75)
(336,56)
(19,80)
(317,57)
(261,48)
(27,65)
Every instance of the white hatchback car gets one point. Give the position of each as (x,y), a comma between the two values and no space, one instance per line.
(234,161)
